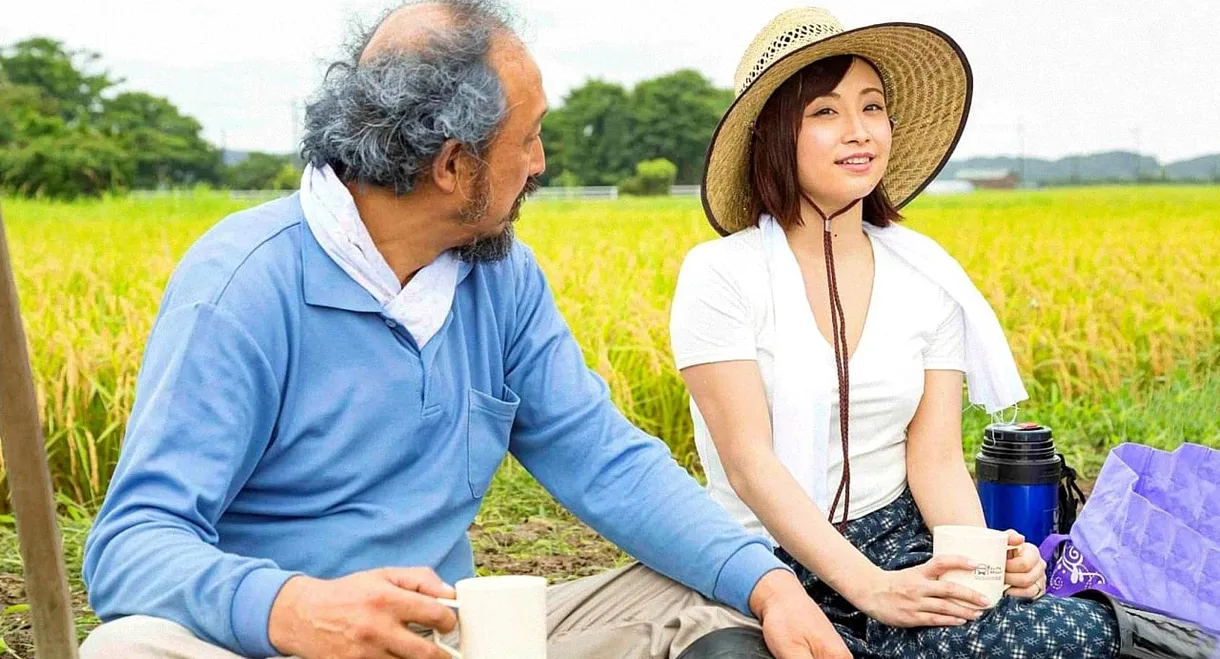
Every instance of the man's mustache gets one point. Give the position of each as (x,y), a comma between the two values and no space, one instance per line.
(531,186)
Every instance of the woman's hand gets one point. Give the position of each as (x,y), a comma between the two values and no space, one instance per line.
(1025,571)
(915,597)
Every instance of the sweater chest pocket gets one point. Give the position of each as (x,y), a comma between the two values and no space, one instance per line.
(489,424)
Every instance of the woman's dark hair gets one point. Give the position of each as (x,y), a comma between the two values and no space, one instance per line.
(774,183)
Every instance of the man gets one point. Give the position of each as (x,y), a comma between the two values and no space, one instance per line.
(333,379)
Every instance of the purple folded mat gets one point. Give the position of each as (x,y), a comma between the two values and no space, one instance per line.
(1149,533)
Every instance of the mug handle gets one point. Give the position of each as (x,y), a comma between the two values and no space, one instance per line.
(436,636)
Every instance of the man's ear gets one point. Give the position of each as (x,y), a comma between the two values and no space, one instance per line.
(452,167)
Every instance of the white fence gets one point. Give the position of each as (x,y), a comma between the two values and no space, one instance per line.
(587,192)
(604,192)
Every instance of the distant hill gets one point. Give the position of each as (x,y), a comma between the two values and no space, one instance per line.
(232,157)
(1112,166)
(1204,168)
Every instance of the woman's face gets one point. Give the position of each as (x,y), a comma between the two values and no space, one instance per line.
(843,146)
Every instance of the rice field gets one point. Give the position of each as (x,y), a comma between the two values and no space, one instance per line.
(1109,296)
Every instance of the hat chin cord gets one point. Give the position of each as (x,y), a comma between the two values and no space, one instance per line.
(838,324)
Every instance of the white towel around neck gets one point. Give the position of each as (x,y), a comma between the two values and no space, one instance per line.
(330,211)
(802,397)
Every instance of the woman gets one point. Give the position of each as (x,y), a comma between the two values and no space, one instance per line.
(824,347)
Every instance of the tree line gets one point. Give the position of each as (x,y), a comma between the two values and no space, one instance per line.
(603,131)
(66,130)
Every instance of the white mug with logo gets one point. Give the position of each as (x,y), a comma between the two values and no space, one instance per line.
(501,617)
(986,548)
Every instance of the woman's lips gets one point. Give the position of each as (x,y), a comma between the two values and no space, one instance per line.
(856,164)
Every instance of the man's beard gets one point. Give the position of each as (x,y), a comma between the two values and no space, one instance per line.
(488,249)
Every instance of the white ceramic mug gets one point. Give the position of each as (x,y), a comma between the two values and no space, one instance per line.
(502,617)
(987,548)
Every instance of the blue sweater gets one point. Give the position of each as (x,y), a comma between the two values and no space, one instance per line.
(283,424)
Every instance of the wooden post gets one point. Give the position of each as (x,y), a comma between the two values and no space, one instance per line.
(29,480)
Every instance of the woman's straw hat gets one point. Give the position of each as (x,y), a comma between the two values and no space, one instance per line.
(927,84)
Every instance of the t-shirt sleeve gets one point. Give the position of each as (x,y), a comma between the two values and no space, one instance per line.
(946,348)
(710,318)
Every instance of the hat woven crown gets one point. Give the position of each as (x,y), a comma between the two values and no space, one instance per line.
(787,32)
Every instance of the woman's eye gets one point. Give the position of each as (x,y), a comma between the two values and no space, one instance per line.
(823,112)
(874,106)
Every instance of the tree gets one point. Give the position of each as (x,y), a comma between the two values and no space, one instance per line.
(79,163)
(261,171)
(288,178)
(590,136)
(27,113)
(166,145)
(652,177)
(674,117)
(63,133)
(601,131)
(60,73)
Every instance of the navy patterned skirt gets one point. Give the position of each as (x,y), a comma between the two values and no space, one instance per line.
(895,538)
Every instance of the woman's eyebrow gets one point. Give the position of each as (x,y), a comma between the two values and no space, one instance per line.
(862,93)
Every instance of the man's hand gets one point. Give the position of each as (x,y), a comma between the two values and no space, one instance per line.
(793,625)
(1025,571)
(361,616)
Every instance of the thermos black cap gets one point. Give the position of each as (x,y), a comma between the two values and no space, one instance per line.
(1017,432)
(1017,453)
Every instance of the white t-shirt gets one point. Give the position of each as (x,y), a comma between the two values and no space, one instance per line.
(722,311)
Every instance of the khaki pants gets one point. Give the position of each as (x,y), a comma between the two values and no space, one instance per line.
(627,613)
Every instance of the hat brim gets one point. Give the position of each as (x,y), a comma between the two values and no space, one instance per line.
(928,85)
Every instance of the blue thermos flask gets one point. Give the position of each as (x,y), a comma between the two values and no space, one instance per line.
(1018,470)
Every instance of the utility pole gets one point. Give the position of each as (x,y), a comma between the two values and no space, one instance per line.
(1135,135)
(1021,149)
(296,125)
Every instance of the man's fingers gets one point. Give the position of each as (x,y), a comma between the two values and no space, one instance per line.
(402,642)
(407,606)
(419,579)
(824,649)
(802,649)
(783,646)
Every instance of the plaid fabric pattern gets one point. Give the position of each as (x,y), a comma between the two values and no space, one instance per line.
(895,538)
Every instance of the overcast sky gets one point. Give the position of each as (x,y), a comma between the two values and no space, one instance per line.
(1052,77)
